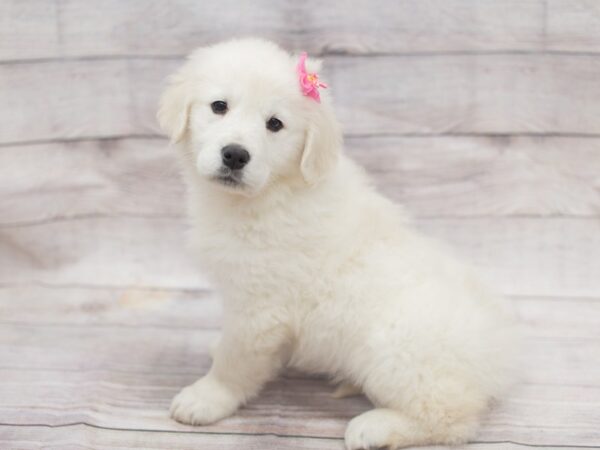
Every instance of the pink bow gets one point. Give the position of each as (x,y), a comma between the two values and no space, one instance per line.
(309,82)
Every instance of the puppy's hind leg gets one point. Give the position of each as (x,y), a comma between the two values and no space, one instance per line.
(392,429)
(381,428)
(415,408)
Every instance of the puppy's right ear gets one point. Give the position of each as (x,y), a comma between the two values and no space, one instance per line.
(174,107)
(322,144)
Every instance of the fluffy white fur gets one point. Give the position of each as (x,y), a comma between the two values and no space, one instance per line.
(317,270)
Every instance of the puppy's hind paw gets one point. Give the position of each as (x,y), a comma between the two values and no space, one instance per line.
(378,428)
(203,402)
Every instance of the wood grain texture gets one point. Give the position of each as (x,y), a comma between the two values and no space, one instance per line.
(468,94)
(71,28)
(491,176)
(86,437)
(126,251)
(74,29)
(481,117)
(100,307)
(102,177)
(520,255)
(512,252)
(127,384)
(65,100)
(28,29)
(445,94)
(96,349)
(573,25)
(431,176)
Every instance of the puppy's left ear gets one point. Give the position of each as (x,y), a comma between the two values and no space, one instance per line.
(174,108)
(322,145)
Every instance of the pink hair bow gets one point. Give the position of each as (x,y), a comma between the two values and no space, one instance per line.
(309,82)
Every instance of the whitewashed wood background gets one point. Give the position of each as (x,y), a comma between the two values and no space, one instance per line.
(489,109)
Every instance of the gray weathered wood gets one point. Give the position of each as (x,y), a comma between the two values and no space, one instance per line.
(391,95)
(112,376)
(103,314)
(58,100)
(72,28)
(520,255)
(544,317)
(172,352)
(126,251)
(91,306)
(56,29)
(431,176)
(99,306)
(528,256)
(29,29)
(106,177)
(85,437)
(573,25)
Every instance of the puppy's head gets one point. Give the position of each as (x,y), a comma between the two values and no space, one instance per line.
(238,113)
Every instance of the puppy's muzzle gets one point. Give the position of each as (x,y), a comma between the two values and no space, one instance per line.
(234,156)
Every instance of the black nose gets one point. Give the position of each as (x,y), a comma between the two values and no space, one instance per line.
(235,156)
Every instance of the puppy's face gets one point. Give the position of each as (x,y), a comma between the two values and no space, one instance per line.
(237,111)
(245,131)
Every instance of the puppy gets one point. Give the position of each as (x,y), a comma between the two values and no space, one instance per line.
(317,270)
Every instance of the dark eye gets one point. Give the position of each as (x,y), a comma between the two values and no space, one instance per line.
(274,124)
(219,107)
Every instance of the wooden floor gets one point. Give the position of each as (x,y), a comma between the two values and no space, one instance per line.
(103,318)
(482,118)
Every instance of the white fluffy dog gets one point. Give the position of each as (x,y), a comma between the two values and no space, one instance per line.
(316,269)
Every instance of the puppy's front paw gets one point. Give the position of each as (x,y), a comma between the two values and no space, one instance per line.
(206,401)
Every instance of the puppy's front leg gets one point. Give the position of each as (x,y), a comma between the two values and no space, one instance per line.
(248,355)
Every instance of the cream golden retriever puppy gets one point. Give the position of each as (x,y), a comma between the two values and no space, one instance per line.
(316,269)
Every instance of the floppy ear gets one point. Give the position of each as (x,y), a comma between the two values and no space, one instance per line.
(322,145)
(174,106)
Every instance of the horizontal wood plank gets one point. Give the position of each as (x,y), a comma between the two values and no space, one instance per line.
(86,437)
(29,29)
(123,350)
(58,29)
(480,117)
(65,100)
(573,25)
(491,176)
(467,94)
(128,384)
(71,28)
(175,309)
(527,256)
(431,176)
(523,255)
(51,181)
(447,94)
(105,307)
(100,251)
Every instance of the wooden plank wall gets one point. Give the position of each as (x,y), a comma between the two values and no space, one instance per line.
(482,117)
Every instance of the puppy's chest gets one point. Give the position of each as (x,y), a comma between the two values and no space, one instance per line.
(322,331)
(253,252)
